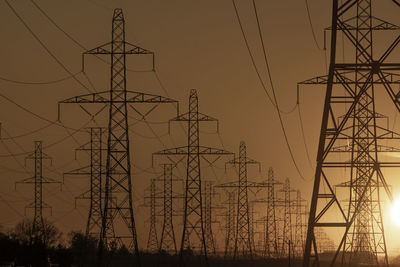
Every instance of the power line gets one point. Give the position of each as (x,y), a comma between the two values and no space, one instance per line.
(273,90)
(57,26)
(254,63)
(50,145)
(44,46)
(312,27)
(34,114)
(28,133)
(304,137)
(41,82)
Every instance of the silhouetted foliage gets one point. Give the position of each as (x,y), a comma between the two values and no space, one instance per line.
(83,249)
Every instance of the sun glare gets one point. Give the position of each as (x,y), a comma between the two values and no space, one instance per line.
(395,212)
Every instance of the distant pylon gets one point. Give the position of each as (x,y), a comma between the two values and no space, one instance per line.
(193,235)
(95,170)
(209,237)
(118,204)
(287,231)
(243,242)
(167,241)
(230,225)
(38,180)
(299,238)
(271,231)
(152,241)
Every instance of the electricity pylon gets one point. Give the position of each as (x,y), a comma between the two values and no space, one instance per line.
(167,241)
(95,170)
(118,185)
(271,231)
(230,226)
(38,180)
(152,241)
(243,240)
(299,238)
(353,136)
(193,235)
(287,230)
(209,237)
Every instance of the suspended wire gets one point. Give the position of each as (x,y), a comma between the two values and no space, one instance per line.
(28,133)
(41,82)
(273,90)
(69,36)
(50,145)
(45,47)
(304,138)
(312,27)
(34,114)
(57,26)
(255,65)
(11,207)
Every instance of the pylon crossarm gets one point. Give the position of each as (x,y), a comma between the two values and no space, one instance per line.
(106,49)
(30,180)
(46,180)
(201,117)
(85,195)
(80,171)
(203,150)
(131,97)
(377,25)
(379,148)
(103,49)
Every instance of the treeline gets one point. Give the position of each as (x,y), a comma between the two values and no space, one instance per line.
(24,245)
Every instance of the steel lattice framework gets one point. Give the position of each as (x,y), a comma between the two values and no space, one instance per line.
(118,185)
(167,241)
(271,229)
(209,237)
(230,226)
(152,241)
(300,226)
(193,235)
(351,142)
(95,170)
(38,180)
(288,202)
(243,241)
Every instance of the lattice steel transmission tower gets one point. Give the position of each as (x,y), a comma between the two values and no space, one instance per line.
(287,231)
(209,237)
(167,241)
(118,204)
(243,241)
(300,226)
(230,226)
(38,180)
(271,229)
(152,241)
(95,170)
(353,136)
(193,237)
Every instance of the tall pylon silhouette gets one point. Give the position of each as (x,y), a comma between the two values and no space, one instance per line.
(193,235)
(95,170)
(352,138)
(118,204)
(243,241)
(38,180)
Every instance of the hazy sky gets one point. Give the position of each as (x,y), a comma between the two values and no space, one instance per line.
(198,44)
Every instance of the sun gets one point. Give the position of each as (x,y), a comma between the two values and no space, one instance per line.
(395,211)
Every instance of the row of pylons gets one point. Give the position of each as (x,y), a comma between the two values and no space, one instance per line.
(263,218)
